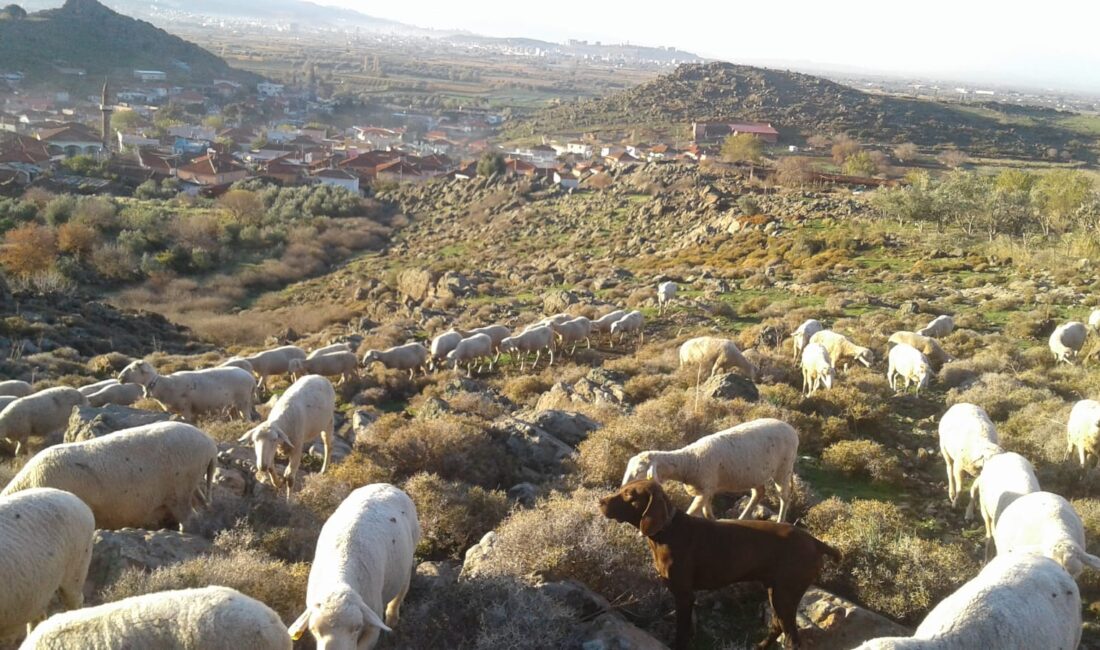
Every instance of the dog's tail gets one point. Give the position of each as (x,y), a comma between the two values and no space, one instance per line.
(828,550)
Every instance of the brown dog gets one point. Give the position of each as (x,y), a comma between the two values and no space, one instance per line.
(693,554)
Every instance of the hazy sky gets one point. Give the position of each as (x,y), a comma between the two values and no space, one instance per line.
(1049,43)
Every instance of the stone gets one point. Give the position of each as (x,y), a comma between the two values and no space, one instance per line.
(361,421)
(533,447)
(415,284)
(839,624)
(89,422)
(525,494)
(114,551)
(340,449)
(477,554)
(909,307)
(570,427)
(730,386)
(611,632)
(432,408)
(558,301)
(453,285)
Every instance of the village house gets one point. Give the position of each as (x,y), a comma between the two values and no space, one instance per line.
(212,169)
(22,159)
(71,139)
(338,178)
(378,137)
(268,89)
(712,131)
(567,180)
(150,75)
(158,165)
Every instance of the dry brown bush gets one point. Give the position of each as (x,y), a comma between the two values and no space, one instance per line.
(453,515)
(864,457)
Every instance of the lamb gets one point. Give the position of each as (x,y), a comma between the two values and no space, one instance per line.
(301,414)
(841,349)
(817,369)
(967,440)
(496,334)
(666,291)
(716,354)
(530,340)
(471,349)
(410,356)
(801,336)
(91,389)
(1094,320)
(573,331)
(362,569)
(1083,430)
(137,477)
(928,346)
(938,327)
(1004,478)
(329,349)
(38,414)
(15,388)
(211,618)
(744,457)
(275,361)
(1017,601)
(444,343)
(333,364)
(191,393)
(1067,340)
(121,394)
(45,548)
(602,325)
(632,323)
(238,362)
(906,362)
(1043,523)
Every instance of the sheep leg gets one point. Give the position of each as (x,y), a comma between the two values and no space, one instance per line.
(393,608)
(1069,452)
(588,343)
(327,439)
(958,483)
(753,500)
(951,488)
(71,592)
(973,497)
(785,492)
(696,504)
(551,351)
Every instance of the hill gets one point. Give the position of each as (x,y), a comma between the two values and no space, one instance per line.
(801,105)
(88,35)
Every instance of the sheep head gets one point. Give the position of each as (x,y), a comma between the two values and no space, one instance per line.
(138,372)
(341,621)
(266,437)
(641,466)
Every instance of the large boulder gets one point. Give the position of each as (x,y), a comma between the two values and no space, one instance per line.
(558,301)
(570,427)
(89,422)
(453,285)
(840,624)
(478,553)
(415,284)
(730,386)
(538,452)
(611,632)
(114,551)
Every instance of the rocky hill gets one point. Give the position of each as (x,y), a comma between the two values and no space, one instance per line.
(798,105)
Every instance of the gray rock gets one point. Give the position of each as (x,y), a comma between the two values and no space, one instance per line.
(612,632)
(453,285)
(340,449)
(361,421)
(569,427)
(476,554)
(432,408)
(525,494)
(558,301)
(116,550)
(415,284)
(839,624)
(533,447)
(89,422)
(730,386)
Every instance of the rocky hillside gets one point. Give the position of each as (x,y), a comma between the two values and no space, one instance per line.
(798,105)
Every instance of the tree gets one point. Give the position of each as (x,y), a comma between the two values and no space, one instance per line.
(817,142)
(76,239)
(906,151)
(1058,195)
(952,158)
(794,170)
(743,148)
(491,163)
(214,121)
(126,120)
(13,12)
(28,249)
(243,206)
(171,115)
(843,147)
(859,163)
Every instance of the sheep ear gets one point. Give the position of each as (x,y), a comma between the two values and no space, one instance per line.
(299,626)
(372,619)
(651,474)
(657,513)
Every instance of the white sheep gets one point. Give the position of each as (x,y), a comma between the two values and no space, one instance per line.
(340,364)
(5,400)
(1004,478)
(329,349)
(841,349)
(275,361)
(1044,523)
(190,393)
(1067,340)
(410,356)
(632,323)
(928,346)
(303,413)
(535,340)
(1094,320)
(471,349)
(968,439)
(91,389)
(238,362)
(716,355)
(209,618)
(444,343)
(817,369)
(132,478)
(496,334)
(602,325)
(666,291)
(906,362)
(38,414)
(745,457)
(45,548)
(938,327)
(573,331)
(1083,430)
(1019,602)
(801,336)
(361,570)
(15,388)
(121,394)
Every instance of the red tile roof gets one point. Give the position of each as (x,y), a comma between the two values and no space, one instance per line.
(212,166)
(758,128)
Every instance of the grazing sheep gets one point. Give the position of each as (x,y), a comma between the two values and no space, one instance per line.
(136,477)
(410,356)
(45,548)
(632,323)
(91,389)
(210,618)
(121,394)
(275,361)
(1083,430)
(535,340)
(444,343)
(602,325)
(38,414)
(744,457)
(496,334)
(300,415)
(5,400)
(1043,523)
(1067,340)
(938,327)
(556,319)
(801,336)
(333,364)
(329,349)
(666,291)
(841,349)
(573,331)
(967,440)
(817,369)
(1094,320)
(907,362)
(362,569)
(1003,479)
(1017,601)
(238,362)
(715,354)
(190,393)
(928,346)
(471,349)
(15,388)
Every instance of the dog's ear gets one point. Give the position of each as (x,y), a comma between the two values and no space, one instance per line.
(658,512)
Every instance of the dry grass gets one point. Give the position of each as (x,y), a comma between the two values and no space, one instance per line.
(453,515)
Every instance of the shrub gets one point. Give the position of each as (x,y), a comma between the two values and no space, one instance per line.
(453,515)
(28,249)
(76,239)
(862,457)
